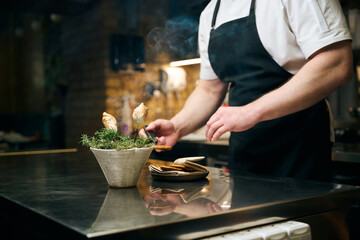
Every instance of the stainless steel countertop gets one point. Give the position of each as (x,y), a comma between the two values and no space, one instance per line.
(66,195)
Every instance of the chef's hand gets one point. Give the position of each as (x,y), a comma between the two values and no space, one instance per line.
(164,132)
(213,208)
(225,119)
(159,204)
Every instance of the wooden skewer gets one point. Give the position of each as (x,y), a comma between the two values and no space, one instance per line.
(135,134)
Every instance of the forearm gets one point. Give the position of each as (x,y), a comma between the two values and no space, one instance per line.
(200,105)
(323,74)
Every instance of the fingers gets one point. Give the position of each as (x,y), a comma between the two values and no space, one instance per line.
(217,208)
(213,208)
(164,132)
(142,133)
(160,125)
(212,131)
(162,140)
(219,132)
(154,125)
(215,127)
(151,127)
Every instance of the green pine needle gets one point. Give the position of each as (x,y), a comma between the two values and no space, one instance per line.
(109,139)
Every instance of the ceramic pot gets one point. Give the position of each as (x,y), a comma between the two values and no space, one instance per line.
(122,168)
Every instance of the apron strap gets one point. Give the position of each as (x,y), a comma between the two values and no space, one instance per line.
(215,14)
(251,13)
(252,8)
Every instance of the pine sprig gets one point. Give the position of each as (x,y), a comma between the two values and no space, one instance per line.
(109,139)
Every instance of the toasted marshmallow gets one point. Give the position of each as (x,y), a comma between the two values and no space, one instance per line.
(140,114)
(109,121)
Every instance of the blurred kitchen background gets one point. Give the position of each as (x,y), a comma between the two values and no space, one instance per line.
(63,63)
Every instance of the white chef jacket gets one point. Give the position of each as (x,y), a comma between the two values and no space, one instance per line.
(290,30)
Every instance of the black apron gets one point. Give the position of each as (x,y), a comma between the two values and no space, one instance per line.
(296,145)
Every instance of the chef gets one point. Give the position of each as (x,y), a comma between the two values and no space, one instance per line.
(279,60)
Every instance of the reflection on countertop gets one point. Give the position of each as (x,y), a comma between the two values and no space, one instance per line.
(66,194)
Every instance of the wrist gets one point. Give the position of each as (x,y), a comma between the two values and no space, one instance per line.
(178,126)
(257,112)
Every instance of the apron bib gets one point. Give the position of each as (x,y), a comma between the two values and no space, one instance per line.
(296,145)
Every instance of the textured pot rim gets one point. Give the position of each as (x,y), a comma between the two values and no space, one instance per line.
(114,150)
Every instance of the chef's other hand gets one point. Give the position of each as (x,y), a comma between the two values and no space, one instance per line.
(225,119)
(164,132)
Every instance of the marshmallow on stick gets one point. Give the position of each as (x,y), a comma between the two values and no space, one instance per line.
(140,114)
(109,121)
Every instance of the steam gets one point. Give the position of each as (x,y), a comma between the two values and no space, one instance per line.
(178,36)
